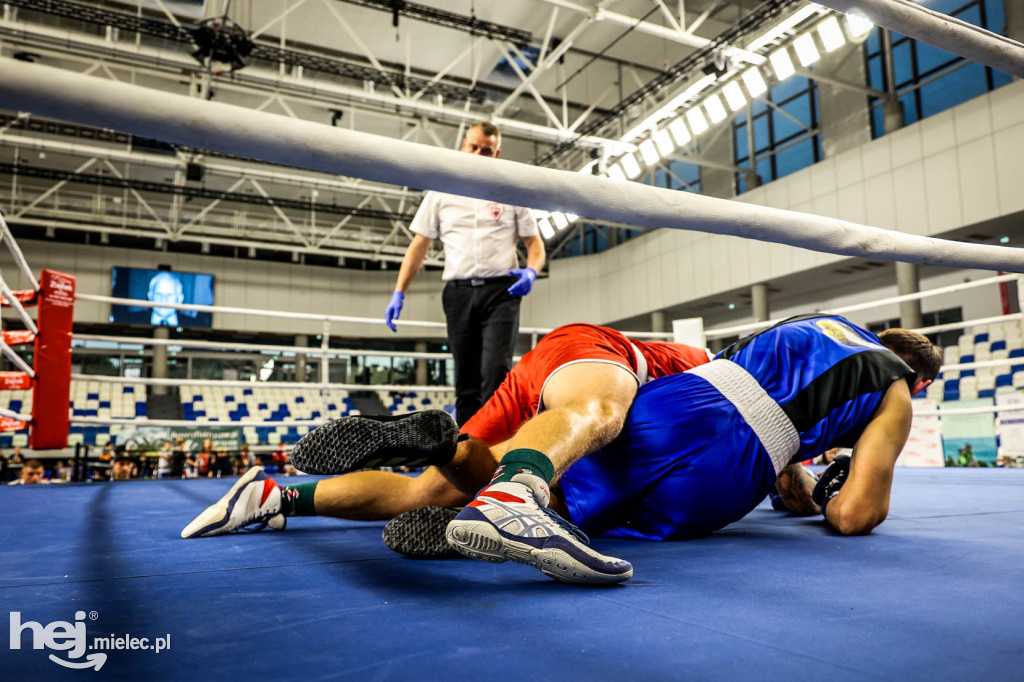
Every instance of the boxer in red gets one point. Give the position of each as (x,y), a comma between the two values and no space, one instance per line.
(570,394)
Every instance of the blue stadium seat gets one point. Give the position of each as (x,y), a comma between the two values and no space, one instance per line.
(1004,380)
(981,338)
(998,345)
(986,392)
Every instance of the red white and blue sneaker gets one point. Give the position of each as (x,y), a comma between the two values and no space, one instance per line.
(510,521)
(252,504)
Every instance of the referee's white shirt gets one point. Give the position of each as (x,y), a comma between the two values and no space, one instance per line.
(479,236)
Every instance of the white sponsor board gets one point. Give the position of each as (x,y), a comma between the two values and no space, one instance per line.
(924,445)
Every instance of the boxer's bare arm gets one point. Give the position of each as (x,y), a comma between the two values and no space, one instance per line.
(863,501)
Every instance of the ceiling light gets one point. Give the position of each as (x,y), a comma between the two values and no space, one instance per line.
(858,25)
(754,81)
(664,142)
(649,152)
(782,64)
(831,35)
(571,217)
(561,222)
(716,110)
(616,174)
(734,95)
(698,124)
(546,230)
(679,132)
(630,166)
(806,50)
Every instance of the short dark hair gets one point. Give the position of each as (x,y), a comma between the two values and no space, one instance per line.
(923,356)
(488,129)
(123,458)
(32,464)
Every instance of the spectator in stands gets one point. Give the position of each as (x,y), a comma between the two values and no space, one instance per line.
(3,468)
(220,463)
(31,473)
(123,468)
(166,456)
(246,459)
(179,458)
(107,455)
(16,456)
(203,458)
(62,472)
(282,461)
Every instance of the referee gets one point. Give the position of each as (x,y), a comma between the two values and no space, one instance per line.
(484,281)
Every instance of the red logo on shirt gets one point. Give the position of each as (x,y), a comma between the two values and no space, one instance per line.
(496,211)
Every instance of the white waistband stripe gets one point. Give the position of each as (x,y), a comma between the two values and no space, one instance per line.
(765,417)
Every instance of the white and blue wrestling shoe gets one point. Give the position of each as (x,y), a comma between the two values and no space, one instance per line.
(511,522)
(252,504)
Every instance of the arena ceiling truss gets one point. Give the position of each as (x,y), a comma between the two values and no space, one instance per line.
(565,79)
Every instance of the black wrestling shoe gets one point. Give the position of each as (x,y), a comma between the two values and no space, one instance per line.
(420,533)
(370,441)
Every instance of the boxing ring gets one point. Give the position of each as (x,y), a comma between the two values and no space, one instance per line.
(936,592)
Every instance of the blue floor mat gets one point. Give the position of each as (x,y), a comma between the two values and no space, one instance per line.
(936,592)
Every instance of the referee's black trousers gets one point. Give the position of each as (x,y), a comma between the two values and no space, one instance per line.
(483,323)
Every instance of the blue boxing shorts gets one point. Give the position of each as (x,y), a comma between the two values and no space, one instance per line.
(685,464)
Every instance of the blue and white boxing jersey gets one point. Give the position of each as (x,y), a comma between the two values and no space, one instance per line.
(700,449)
(827,375)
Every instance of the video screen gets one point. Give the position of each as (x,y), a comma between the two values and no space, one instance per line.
(161,286)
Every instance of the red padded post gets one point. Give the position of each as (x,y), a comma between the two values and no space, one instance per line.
(51,393)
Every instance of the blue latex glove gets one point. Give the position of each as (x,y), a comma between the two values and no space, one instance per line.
(394,310)
(527,276)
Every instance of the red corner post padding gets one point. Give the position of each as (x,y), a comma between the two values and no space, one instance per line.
(51,395)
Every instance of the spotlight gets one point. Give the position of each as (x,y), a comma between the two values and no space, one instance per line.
(561,222)
(831,35)
(630,166)
(806,51)
(546,230)
(754,81)
(679,132)
(782,64)
(698,124)
(734,95)
(252,252)
(663,141)
(104,238)
(858,25)
(204,247)
(571,217)
(616,174)
(716,110)
(649,152)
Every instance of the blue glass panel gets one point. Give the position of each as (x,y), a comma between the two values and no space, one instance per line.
(875,78)
(785,128)
(903,64)
(995,16)
(794,158)
(963,84)
(789,87)
(762,137)
(874,42)
(930,58)
(740,142)
(910,113)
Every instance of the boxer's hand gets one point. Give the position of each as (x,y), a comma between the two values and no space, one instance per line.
(831,481)
(527,276)
(794,485)
(394,310)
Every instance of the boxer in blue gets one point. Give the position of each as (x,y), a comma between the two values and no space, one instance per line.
(701,449)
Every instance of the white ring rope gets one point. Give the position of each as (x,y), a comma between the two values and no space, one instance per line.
(314,351)
(258,384)
(16,305)
(952,288)
(4,412)
(52,92)
(941,30)
(19,257)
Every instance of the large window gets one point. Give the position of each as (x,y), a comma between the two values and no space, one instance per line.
(784,133)
(929,80)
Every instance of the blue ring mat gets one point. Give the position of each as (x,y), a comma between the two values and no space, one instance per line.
(936,592)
